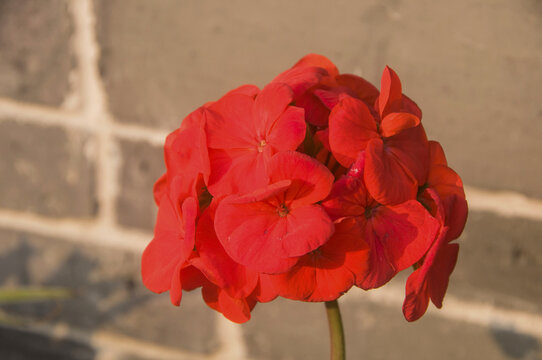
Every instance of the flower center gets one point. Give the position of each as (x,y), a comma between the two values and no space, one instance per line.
(283,210)
(261,145)
(369,211)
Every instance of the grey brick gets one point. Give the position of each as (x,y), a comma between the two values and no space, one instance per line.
(16,344)
(500,261)
(108,292)
(473,66)
(162,60)
(47,170)
(294,330)
(142,166)
(35,51)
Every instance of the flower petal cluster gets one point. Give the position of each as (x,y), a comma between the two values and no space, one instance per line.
(315,183)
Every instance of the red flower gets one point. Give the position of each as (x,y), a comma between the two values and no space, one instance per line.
(397,235)
(186,158)
(243,133)
(166,255)
(329,271)
(443,194)
(213,261)
(234,309)
(312,185)
(449,188)
(396,146)
(268,229)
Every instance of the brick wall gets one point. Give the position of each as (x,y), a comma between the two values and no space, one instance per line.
(89,89)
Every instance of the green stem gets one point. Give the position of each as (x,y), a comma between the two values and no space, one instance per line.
(336,333)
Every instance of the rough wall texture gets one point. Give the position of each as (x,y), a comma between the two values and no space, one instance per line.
(89,89)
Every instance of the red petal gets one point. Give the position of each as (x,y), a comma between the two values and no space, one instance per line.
(327,273)
(311,181)
(172,244)
(266,290)
(248,90)
(395,122)
(430,280)
(187,158)
(192,278)
(351,127)
(230,124)
(449,188)
(386,178)
(366,91)
(250,229)
(319,61)
(300,79)
(329,98)
(316,113)
(416,298)
(236,310)
(390,93)
(288,131)
(411,148)
(217,266)
(269,105)
(440,273)
(237,171)
(398,237)
(308,228)
(160,188)
(436,154)
(176,291)
(348,198)
(406,230)
(409,106)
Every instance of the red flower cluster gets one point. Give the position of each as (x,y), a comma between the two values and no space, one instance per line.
(314,184)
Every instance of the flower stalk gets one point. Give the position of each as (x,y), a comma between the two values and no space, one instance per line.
(336,332)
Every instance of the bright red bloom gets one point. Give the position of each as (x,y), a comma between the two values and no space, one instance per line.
(212,260)
(187,161)
(167,253)
(236,310)
(396,146)
(397,235)
(449,188)
(430,279)
(443,194)
(312,185)
(243,133)
(319,98)
(268,229)
(329,271)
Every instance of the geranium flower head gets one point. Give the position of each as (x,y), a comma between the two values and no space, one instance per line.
(315,183)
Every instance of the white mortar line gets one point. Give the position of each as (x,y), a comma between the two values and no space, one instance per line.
(94,106)
(11,110)
(40,115)
(477,313)
(76,231)
(139,133)
(232,343)
(504,203)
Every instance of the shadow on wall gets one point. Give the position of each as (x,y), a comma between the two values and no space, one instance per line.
(21,345)
(99,299)
(515,345)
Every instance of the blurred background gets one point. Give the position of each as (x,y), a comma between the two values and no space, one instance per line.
(89,89)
